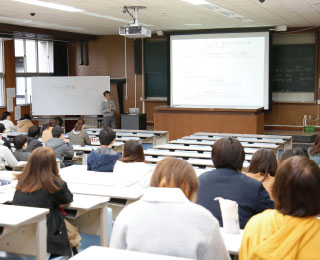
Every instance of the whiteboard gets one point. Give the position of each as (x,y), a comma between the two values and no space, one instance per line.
(68,95)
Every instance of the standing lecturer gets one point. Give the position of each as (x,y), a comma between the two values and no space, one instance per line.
(107,108)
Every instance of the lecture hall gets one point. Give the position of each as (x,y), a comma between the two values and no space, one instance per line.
(159,130)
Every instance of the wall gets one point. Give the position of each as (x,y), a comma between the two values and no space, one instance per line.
(107,58)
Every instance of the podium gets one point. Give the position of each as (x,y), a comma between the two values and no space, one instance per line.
(133,121)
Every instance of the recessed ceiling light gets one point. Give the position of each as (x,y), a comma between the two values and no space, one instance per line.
(50,5)
(196,2)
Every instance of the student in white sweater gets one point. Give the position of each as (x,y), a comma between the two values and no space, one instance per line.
(131,170)
(6,120)
(6,156)
(166,221)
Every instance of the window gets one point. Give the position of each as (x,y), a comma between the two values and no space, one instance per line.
(33,58)
(1,75)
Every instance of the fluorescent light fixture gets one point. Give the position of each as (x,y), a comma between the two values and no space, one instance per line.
(196,2)
(192,24)
(50,5)
(219,10)
(31,22)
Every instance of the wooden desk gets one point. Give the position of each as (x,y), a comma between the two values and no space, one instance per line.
(102,253)
(23,230)
(181,121)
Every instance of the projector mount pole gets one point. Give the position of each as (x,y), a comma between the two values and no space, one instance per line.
(125,9)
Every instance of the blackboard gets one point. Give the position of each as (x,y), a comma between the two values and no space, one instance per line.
(156,66)
(293,68)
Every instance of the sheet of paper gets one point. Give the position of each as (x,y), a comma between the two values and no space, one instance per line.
(17,113)
(10,104)
(11,92)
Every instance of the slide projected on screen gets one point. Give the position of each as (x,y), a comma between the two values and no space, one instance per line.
(229,70)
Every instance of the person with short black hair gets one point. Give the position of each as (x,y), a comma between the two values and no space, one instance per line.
(6,120)
(4,139)
(33,135)
(131,170)
(20,143)
(107,109)
(103,158)
(24,123)
(61,146)
(228,182)
(59,121)
(263,166)
(291,230)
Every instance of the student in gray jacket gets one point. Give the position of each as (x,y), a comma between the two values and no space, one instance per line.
(33,135)
(78,135)
(60,145)
(107,109)
(20,143)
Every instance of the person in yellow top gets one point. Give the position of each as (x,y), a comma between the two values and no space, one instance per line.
(291,231)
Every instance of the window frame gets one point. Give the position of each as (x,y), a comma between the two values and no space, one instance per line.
(27,75)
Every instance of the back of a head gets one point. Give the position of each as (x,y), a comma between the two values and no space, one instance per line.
(293,152)
(41,172)
(228,153)
(5,115)
(106,136)
(296,189)
(34,131)
(52,123)
(176,173)
(19,141)
(2,128)
(26,117)
(263,161)
(79,125)
(132,152)
(315,148)
(59,120)
(57,131)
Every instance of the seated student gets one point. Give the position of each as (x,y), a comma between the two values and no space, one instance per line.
(6,120)
(228,182)
(6,156)
(167,215)
(314,150)
(60,145)
(293,152)
(47,133)
(78,135)
(24,123)
(103,158)
(263,166)
(20,143)
(4,139)
(131,170)
(58,122)
(291,230)
(33,135)
(40,185)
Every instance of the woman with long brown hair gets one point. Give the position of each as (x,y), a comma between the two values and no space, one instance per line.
(131,170)
(167,215)
(40,185)
(79,135)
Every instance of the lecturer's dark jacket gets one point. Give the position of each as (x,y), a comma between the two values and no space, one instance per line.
(57,237)
(250,195)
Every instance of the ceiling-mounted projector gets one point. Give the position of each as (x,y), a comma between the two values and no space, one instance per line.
(134,30)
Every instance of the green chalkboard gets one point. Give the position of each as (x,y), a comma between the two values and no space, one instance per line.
(293,68)
(156,66)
